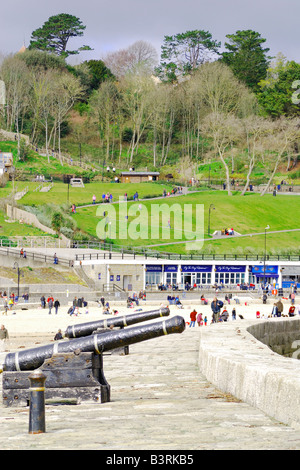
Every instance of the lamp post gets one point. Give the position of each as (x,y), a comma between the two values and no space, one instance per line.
(210,208)
(16,266)
(265,254)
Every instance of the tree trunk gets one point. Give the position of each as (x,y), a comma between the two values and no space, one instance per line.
(251,166)
(226,170)
(272,176)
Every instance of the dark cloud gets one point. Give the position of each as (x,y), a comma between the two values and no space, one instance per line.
(115,24)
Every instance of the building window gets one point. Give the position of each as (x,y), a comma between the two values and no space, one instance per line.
(153,277)
(171,278)
(196,278)
(230,278)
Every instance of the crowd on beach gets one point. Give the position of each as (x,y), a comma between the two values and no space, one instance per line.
(221,310)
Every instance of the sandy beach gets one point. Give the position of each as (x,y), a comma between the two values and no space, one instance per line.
(35,326)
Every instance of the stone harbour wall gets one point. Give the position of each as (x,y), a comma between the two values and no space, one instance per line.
(239,363)
(282,337)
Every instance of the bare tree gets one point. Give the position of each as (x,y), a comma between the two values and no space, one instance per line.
(256,130)
(286,133)
(15,75)
(104,105)
(140,57)
(136,95)
(67,91)
(222,129)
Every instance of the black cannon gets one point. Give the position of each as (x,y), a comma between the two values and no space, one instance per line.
(74,368)
(85,329)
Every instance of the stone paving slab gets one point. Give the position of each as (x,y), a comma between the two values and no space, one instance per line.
(159,401)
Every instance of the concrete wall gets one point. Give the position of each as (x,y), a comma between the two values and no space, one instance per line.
(236,362)
(6,135)
(126,273)
(18,214)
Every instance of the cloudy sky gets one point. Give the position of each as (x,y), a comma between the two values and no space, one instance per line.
(115,24)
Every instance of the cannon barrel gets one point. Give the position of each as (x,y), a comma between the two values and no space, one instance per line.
(85,329)
(30,359)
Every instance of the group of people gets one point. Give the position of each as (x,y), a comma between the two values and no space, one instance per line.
(227,231)
(51,304)
(106,197)
(23,253)
(173,191)
(135,298)
(217,314)
(197,318)
(106,310)
(278,309)
(162,286)
(174,300)
(76,305)
(11,300)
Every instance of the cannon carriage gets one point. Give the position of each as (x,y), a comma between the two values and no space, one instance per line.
(74,367)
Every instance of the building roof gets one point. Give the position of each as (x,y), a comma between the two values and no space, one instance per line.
(23,49)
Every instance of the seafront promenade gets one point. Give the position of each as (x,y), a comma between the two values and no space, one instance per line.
(159,399)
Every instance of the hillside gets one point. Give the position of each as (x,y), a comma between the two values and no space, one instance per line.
(248,215)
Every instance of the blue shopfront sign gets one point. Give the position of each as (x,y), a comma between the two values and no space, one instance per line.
(267,270)
(171,268)
(230,269)
(154,268)
(288,284)
(186,268)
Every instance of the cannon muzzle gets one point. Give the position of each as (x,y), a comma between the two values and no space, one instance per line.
(85,329)
(30,359)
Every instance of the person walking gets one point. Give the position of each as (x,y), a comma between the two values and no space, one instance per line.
(50,301)
(56,305)
(3,338)
(216,306)
(5,307)
(233,313)
(43,301)
(292,297)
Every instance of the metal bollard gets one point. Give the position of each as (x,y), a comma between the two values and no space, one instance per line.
(37,402)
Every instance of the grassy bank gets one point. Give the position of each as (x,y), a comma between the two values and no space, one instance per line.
(247,215)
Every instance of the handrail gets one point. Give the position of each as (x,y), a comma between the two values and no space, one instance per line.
(36,256)
(110,251)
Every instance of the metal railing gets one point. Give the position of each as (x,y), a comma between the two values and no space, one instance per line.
(36,257)
(111,251)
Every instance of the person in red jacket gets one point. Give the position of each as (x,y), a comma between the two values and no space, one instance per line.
(193,316)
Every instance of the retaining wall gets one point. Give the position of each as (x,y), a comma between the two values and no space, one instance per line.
(19,214)
(238,363)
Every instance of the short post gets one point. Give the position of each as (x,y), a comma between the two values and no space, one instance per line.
(37,402)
